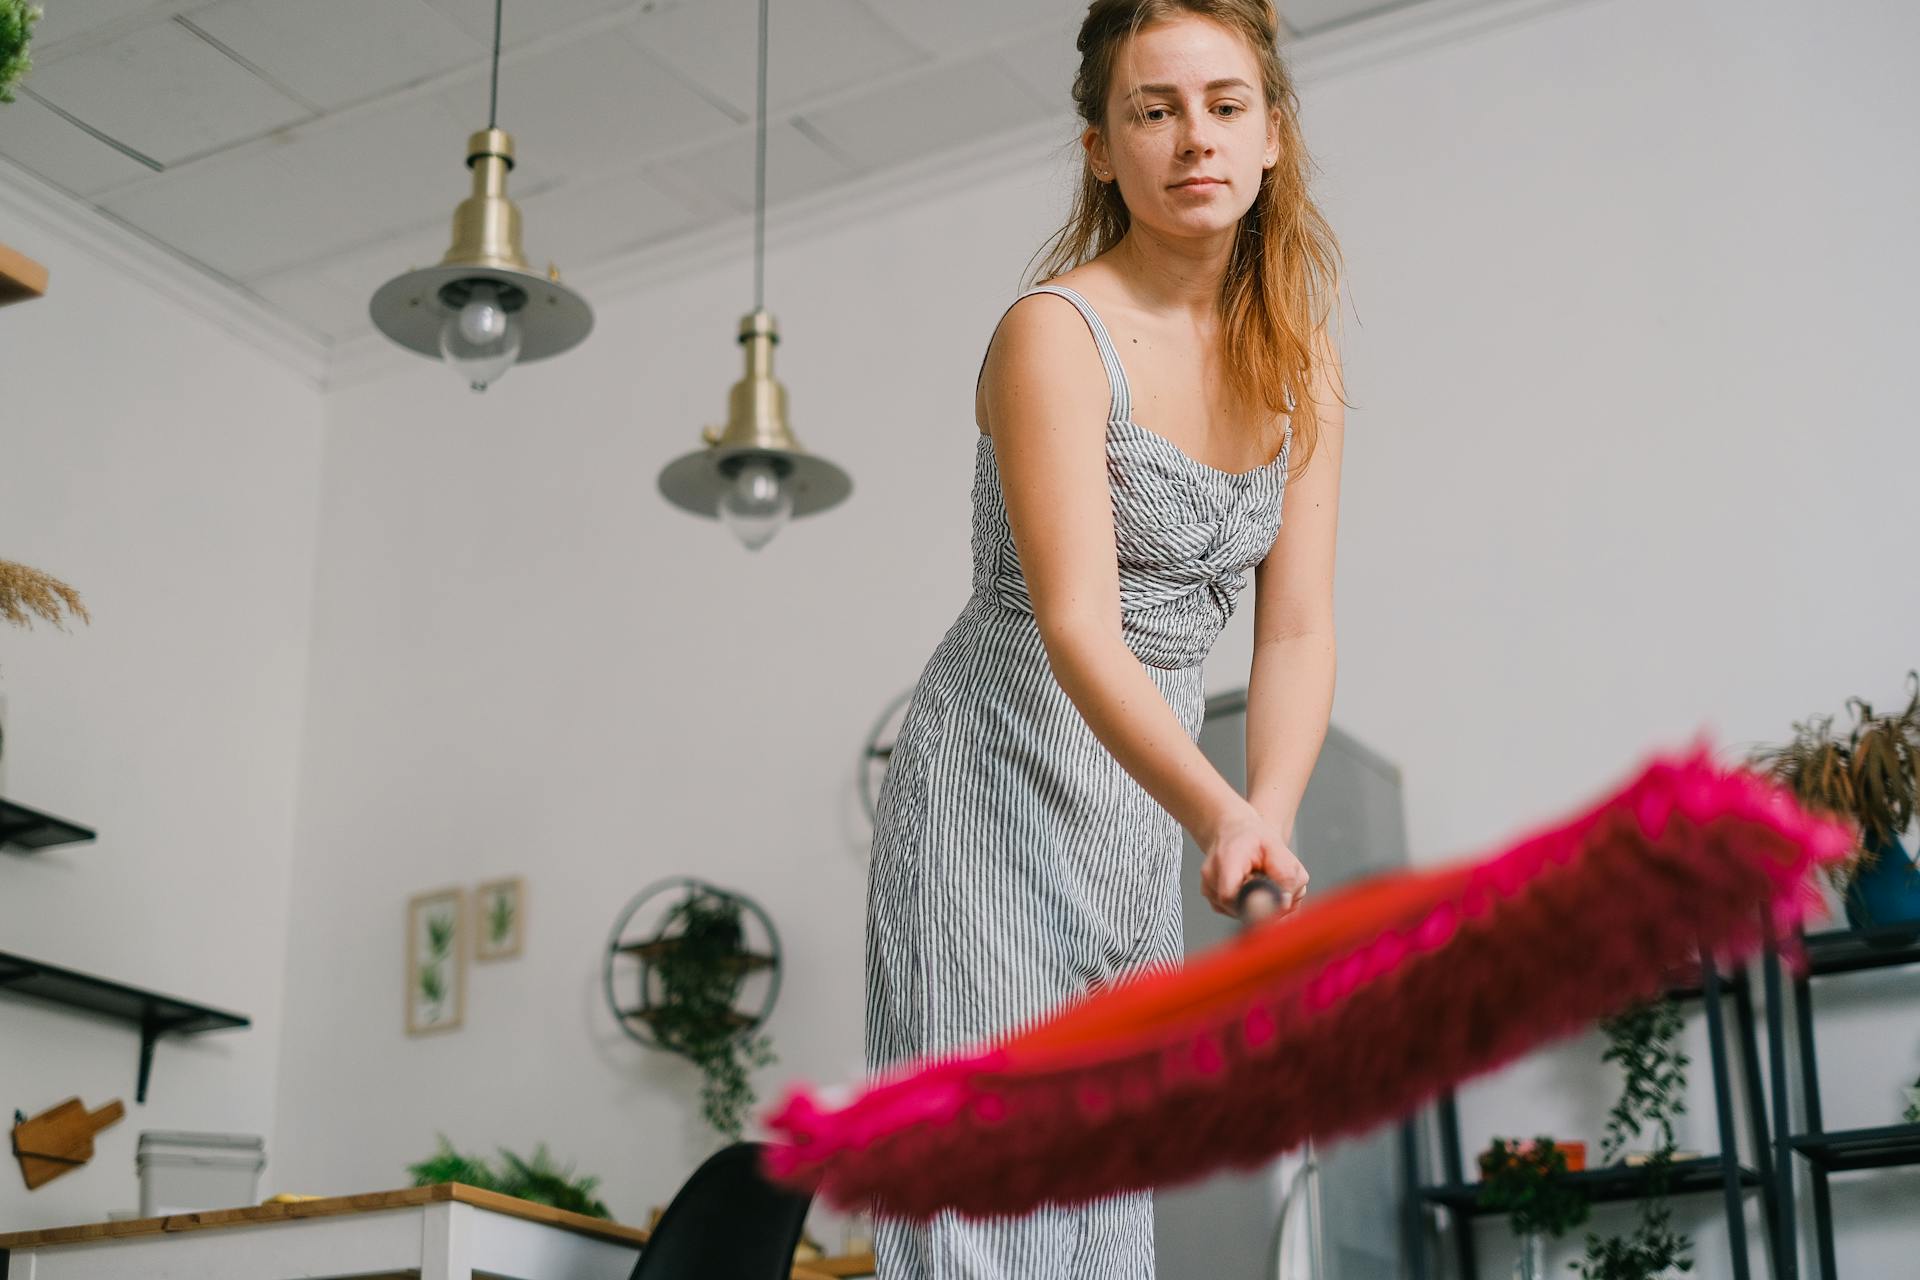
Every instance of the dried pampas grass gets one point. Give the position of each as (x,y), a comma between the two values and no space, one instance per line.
(25,593)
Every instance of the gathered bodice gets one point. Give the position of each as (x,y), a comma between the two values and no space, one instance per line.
(1186,533)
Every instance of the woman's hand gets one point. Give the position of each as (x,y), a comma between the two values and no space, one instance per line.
(1241,846)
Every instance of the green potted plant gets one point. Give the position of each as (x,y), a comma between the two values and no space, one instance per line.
(537,1180)
(1870,777)
(700,975)
(1644,1040)
(1520,1179)
(16,30)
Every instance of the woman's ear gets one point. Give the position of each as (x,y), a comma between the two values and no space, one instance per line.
(1097,158)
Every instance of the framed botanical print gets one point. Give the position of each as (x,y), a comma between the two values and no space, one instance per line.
(436,961)
(500,912)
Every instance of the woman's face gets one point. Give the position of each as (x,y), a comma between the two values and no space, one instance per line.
(1189,134)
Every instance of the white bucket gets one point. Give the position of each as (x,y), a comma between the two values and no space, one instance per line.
(189,1172)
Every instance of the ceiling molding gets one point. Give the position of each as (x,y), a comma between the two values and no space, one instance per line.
(71,222)
(1395,33)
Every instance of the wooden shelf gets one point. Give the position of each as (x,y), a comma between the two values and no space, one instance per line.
(152,1014)
(660,948)
(21,278)
(31,829)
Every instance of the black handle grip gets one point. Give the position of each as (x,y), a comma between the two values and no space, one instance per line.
(1258,898)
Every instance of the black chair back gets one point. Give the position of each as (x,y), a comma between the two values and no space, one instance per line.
(726,1223)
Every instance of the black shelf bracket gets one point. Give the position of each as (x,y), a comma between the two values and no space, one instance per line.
(153,1015)
(33,830)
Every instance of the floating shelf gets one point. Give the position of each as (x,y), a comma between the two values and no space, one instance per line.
(151,1013)
(1887,1147)
(1600,1186)
(1851,950)
(31,829)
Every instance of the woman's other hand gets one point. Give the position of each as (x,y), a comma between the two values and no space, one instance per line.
(1244,845)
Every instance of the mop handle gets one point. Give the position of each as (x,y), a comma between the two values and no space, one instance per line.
(1258,898)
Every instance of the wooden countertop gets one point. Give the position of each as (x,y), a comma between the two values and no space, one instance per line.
(327,1207)
(373,1202)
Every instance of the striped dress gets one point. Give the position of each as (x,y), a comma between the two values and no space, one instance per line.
(1015,864)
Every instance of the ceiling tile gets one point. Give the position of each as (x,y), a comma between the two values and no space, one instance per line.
(165,92)
(522,21)
(1046,64)
(942,26)
(814,47)
(589,105)
(577,224)
(311,193)
(796,166)
(60,151)
(62,20)
(944,107)
(331,296)
(344,50)
(1308,16)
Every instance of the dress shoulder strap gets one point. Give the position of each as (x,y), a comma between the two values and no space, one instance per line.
(1121,406)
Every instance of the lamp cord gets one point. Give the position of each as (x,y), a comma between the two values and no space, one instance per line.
(760,174)
(493,90)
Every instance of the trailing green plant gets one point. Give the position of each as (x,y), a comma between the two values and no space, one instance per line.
(700,977)
(1519,1179)
(537,1179)
(1644,1040)
(16,31)
(1870,776)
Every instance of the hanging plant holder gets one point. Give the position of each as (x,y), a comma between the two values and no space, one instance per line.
(694,970)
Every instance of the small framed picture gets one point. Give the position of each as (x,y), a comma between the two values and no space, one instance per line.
(436,961)
(500,911)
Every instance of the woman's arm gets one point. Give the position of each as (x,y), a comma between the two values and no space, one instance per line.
(1290,689)
(1047,402)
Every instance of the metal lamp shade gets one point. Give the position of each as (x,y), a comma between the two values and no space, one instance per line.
(411,308)
(756,427)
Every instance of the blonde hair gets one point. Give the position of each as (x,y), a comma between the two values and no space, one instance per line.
(1282,278)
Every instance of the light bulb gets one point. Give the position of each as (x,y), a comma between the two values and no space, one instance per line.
(481,340)
(756,504)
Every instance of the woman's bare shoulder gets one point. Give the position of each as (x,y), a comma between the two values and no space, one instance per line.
(1041,355)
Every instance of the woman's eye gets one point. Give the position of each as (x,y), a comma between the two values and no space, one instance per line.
(1154,113)
(1230,106)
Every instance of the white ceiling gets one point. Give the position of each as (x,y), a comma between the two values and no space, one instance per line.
(307,150)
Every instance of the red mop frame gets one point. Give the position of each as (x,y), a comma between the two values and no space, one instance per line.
(1350,1013)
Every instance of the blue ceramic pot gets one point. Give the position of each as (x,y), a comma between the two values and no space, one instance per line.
(1887,893)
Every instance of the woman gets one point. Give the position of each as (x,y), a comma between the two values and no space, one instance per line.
(1028,835)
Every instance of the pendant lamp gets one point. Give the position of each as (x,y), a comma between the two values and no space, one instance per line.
(753,474)
(483,309)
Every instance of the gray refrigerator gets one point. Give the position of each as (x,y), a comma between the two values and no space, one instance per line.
(1354,1224)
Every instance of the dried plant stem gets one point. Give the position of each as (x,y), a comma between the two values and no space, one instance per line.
(25,593)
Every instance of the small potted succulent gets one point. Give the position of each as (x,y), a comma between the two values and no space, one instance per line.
(1871,777)
(1521,1180)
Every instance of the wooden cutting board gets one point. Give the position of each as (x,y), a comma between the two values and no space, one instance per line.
(60,1140)
(21,278)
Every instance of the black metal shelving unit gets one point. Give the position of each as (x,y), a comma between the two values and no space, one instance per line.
(1837,951)
(1732,1179)
(33,830)
(152,1014)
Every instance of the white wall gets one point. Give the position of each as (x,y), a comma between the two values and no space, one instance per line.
(1627,278)
(170,472)
(1628,417)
